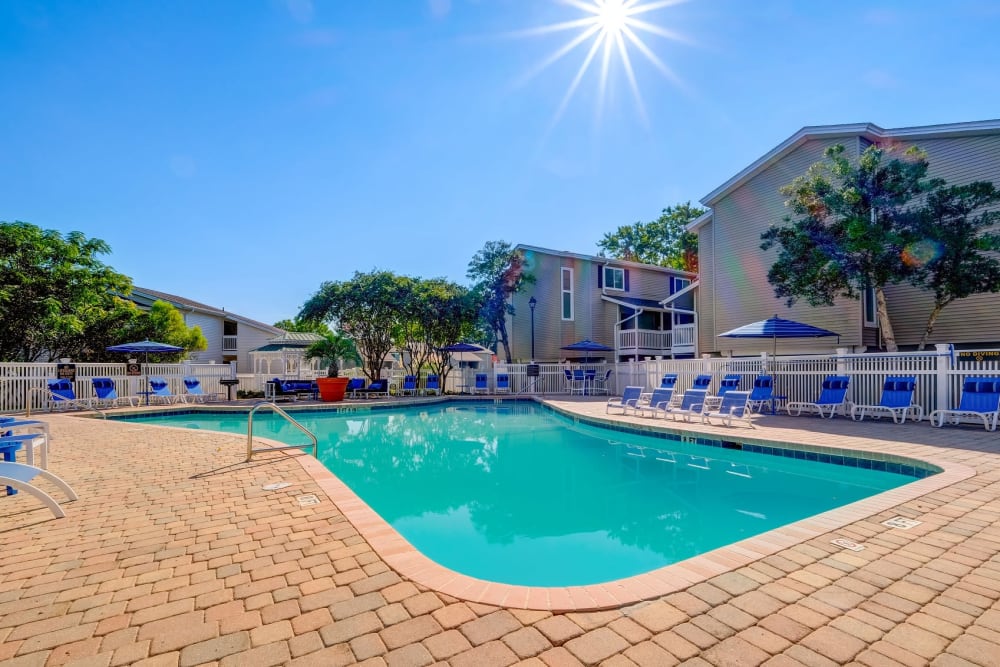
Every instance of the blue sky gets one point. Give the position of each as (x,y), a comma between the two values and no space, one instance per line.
(241,153)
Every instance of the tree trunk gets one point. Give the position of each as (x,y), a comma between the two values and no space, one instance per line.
(503,340)
(931,319)
(888,335)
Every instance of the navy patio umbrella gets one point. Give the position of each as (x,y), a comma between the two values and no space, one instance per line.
(775,328)
(145,347)
(587,345)
(462,347)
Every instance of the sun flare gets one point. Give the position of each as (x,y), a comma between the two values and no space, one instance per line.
(611,28)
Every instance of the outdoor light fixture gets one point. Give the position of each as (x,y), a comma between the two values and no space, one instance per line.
(532,302)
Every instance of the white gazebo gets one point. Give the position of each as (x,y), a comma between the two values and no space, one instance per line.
(284,356)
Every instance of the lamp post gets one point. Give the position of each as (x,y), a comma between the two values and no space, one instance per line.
(532,302)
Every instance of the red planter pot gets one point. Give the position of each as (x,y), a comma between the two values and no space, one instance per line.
(331,389)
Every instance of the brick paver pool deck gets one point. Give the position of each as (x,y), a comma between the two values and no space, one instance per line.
(176,555)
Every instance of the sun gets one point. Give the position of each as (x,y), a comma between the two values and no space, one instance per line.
(611,28)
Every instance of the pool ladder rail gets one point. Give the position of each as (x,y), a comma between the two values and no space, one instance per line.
(266,404)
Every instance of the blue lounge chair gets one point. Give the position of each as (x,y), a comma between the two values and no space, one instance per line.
(409,386)
(629,400)
(833,397)
(897,400)
(729,383)
(659,402)
(196,393)
(105,394)
(62,396)
(734,405)
(31,442)
(702,382)
(13,425)
(980,400)
(668,380)
(482,385)
(354,385)
(377,388)
(690,404)
(763,392)
(19,476)
(160,390)
(433,384)
(503,383)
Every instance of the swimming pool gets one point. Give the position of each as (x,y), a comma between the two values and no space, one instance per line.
(516,493)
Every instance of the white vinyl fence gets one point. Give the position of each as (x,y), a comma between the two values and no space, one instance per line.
(939,374)
(22,384)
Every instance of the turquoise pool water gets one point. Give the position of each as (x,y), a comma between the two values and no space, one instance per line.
(518,494)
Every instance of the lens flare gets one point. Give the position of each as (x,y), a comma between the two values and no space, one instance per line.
(611,28)
(921,253)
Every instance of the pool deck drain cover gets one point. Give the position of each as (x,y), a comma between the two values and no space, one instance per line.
(307,500)
(276,486)
(901,522)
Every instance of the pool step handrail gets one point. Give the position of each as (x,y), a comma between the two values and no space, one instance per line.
(267,404)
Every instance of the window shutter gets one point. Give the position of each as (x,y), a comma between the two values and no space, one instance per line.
(626,280)
(600,277)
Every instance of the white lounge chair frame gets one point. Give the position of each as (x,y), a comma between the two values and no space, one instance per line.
(733,402)
(19,476)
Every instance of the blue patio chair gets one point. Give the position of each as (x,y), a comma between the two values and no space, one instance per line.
(897,400)
(377,388)
(578,385)
(159,389)
(196,393)
(62,396)
(18,476)
(629,400)
(568,377)
(433,384)
(599,385)
(668,380)
(482,385)
(729,383)
(690,404)
(763,392)
(734,405)
(503,383)
(354,385)
(409,385)
(833,397)
(659,402)
(980,400)
(702,382)
(106,395)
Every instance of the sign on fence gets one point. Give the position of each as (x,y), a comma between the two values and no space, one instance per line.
(66,372)
(133,370)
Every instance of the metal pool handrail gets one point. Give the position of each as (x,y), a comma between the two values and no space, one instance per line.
(262,404)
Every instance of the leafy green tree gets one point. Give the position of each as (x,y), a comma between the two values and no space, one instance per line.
(303,326)
(848,237)
(166,324)
(663,242)
(953,249)
(497,271)
(364,308)
(443,313)
(53,290)
(334,348)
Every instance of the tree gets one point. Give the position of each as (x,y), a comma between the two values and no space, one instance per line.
(333,348)
(53,290)
(446,313)
(366,309)
(951,253)
(303,326)
(663,242)
(848,237)
(166,324)
(498,272)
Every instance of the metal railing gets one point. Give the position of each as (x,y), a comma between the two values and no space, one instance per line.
(264,404)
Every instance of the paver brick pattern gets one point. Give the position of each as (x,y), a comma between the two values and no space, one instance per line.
(176,555)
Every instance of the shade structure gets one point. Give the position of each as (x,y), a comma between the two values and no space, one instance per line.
(587,345)
(775,328)
(145,347)
(462,347)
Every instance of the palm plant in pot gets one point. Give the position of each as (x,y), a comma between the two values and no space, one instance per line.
(333,348)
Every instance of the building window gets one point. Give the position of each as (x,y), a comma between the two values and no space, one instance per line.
(614,278)
(868,306)
(567,294)
(686,301)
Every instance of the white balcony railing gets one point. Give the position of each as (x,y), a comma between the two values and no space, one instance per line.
(229,344)
(649,341)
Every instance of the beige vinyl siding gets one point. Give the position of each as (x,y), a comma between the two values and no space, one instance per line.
(248,338)
(211,328)
(958,160)
(705,303)
(739,290)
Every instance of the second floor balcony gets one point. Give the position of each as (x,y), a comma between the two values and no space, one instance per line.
(651,343)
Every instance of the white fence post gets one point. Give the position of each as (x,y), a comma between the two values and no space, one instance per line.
(943,400)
